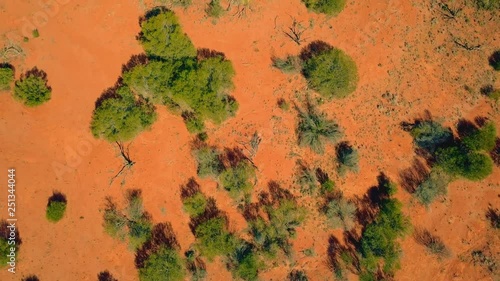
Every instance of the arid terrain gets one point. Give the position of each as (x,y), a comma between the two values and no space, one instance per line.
(408,62)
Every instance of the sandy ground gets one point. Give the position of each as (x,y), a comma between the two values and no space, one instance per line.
(82,46)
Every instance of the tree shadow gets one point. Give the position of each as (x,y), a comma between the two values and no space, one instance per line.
(494,60)
(56,197)
(231,157)
(465,128)
(36,73)
(8,65)
(5,233)
(368,204)
(205,53)
(495,153)
(135,60)
(493,215)
(105,276)
(412,177)
(211,212)
(190,189)
(313,49)
(162,236)
(277,193)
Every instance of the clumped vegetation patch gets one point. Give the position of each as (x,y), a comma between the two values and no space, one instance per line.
(238,179)
(132,222)
(209,161)
(347,158)
(5,245)
(56,207)
(314,129)
(297,275)
(106,276)
(340,212)
(306,179)
(329,7)
(433,243)
(214,9)
(328,70)
(6,76)
(487,4)
(436,184)
(32,88)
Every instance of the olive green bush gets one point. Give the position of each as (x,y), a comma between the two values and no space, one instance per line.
(6,243)
(329,7)
(340,213)
(436,184)
(458,161)
(32,88)
(347,158)
(165,264)
(209,163)
(238,179)
(6,76)
(56,207)
(430,135)
(214,239)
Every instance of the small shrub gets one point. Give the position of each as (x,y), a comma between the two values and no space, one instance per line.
(114,221)
(195,205)
(214,9)
(214,239)
(494,59)
(245,262)
(32,88)
(327,186)
(487,4)
(105,276)
(314,129)
(56,207)
(347,157)
(35,33)
(340,213)
(209,162)
(433,243)
(6,76)
(329,7)
(481,139)
(35,278)
(193,123)
(330,72)
(163,265)
(430,135)
(297,275)
(290,64)
(237,180)
(306,179)
(6,243)
(120,116)
(436,184)
(283,104)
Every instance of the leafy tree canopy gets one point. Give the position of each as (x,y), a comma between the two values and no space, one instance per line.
(329,7)
(163,265)
(32,89)
(6,76)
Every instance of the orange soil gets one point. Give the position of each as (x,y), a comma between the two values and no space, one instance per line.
(82,47)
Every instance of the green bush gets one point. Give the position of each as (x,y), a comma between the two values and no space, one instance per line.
(487,4)
(327,186)
(330,72)
(246,263)
(297,275)
(56,207)
(214,9)
(314,129)
(6,76)
(237,180)
(193,123)
(162,36)
(209,163)
(32,89)
(340,213)
(163,265)
(329,7)
(115,222)
(457,161)
(121,116)
(4,243)
(307,180)
(195,205)
(214,239)
(347,157)
(290,64)
(436,184)
(430,135)
(482,139)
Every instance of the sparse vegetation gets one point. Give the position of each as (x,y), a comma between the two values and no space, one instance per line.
(56,207)
(315,129)
(329,7)
(214,9)
(436,184)
(6,244)
(6,76)
(306,179)
(433,243)
(290,64)
(32,88)
(132,222)
(297,275)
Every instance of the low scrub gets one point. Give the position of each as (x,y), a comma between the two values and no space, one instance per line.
(6,243)
(32,88)
(56,207)
(329,7)
(435,185)
(347,158)
(432,243)
(6,76)
(340,212)
(238,179)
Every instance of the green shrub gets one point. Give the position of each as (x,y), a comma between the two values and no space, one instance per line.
(436,184)
(347,157)
(307,180)
(164,265)
(430,135)
(246,263)
(340,213)
(32,89)
(115,222)
(6,243)
(162,36)
(35,33)
(283,104)
(195,205)
(494,59)
(330,72)
(329,7)
(209,163)
(193,123)
(6,76)
(56,207)
(237,180)
(314,129)
(214,9)
(481,139)
(214,239)
(456,160)
(327,186)
(487,4)
(121,116)
(297,275)
(290,64)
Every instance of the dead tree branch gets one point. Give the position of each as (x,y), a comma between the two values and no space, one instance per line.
(128,163)
(295,32)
